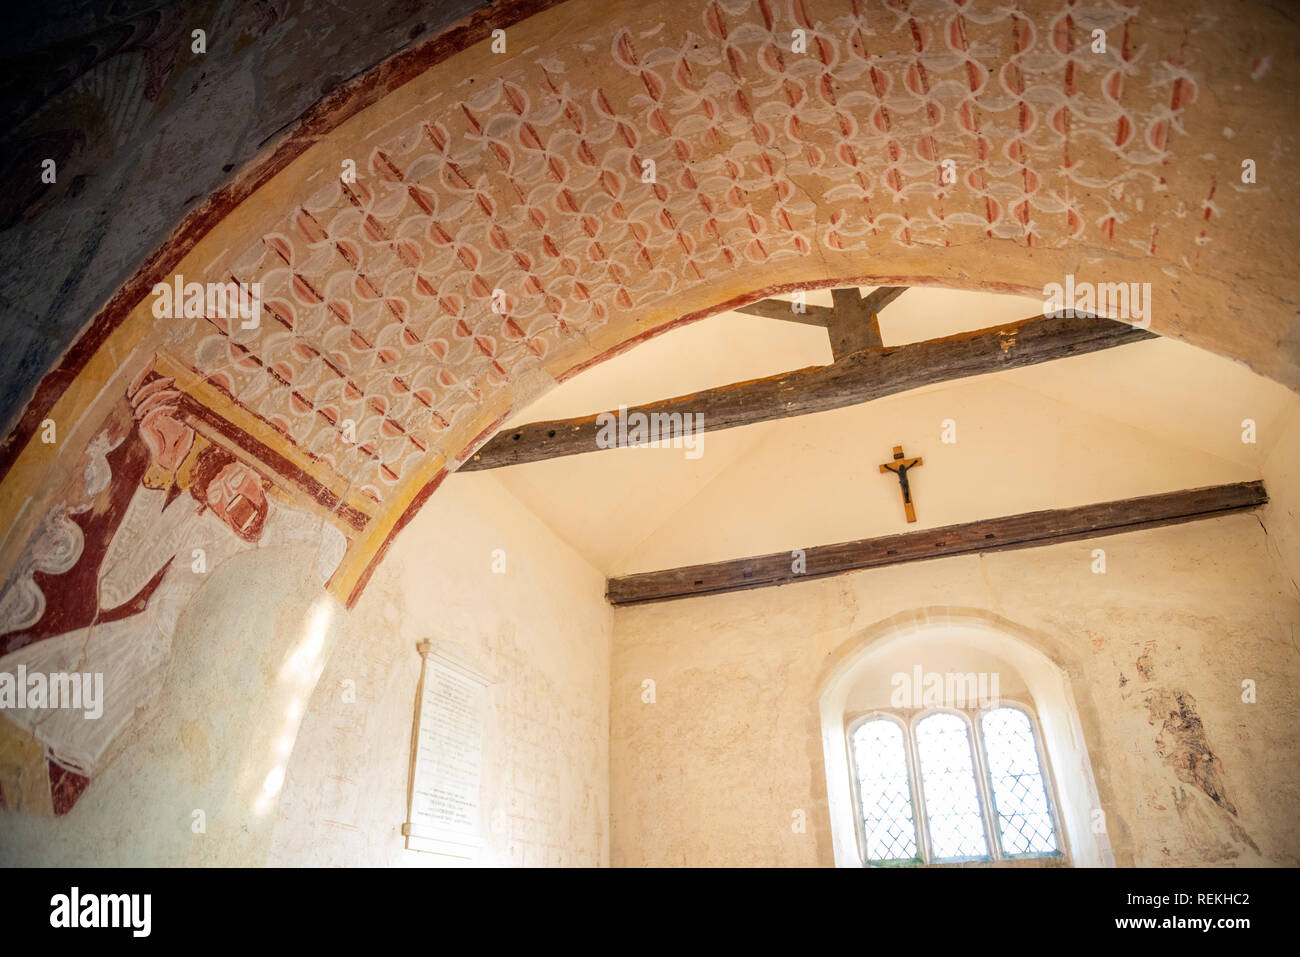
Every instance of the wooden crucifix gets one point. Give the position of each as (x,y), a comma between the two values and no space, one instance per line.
(901,466)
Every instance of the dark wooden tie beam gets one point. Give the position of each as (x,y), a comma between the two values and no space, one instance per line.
(857,378)
(1027,530)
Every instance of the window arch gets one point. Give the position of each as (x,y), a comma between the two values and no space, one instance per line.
(951,786)
(858,682)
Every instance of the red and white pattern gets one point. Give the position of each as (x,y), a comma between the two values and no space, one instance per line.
(378,293)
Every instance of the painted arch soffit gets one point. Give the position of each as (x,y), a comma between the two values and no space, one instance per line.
(623,167)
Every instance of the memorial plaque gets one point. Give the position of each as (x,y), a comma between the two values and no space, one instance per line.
(446,752)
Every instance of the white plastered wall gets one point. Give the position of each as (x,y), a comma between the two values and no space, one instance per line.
(540,628)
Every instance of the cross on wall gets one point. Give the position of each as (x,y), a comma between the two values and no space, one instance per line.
(900,466)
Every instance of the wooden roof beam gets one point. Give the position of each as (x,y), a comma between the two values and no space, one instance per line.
(780,309)
(858,377)
(1026,530)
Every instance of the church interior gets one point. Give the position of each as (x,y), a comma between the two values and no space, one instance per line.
(591,433)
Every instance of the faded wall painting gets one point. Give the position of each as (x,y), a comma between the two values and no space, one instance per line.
(159,502)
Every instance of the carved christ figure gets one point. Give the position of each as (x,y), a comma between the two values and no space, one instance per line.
(194,496)
(900,466)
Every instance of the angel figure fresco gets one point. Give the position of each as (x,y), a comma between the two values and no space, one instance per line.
(120,565)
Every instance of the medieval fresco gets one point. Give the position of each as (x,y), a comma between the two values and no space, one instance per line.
(155,508)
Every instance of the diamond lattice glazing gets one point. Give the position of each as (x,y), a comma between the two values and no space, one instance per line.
(951,799)
(886,795)
(1019,796)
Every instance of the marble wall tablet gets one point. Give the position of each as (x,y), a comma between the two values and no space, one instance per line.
(446,752)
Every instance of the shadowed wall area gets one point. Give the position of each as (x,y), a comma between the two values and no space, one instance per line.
(145,131)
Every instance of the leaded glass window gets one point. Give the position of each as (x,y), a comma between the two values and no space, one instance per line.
(952,803)
(1024,819)
(885,792)
(951,786)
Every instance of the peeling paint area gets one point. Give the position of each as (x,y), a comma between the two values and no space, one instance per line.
(1183,745)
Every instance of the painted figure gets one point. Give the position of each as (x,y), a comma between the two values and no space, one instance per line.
(195,505)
